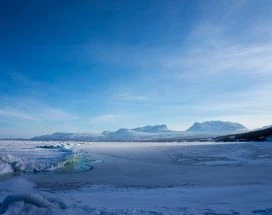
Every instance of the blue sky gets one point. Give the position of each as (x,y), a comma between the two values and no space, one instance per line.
(88,66)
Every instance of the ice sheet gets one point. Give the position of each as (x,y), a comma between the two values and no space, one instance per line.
(143,178)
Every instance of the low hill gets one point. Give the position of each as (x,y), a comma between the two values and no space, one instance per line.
(257,135)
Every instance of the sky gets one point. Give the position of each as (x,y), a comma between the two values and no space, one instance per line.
(89,66)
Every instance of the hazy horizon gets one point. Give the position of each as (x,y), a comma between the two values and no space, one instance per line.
(92,66)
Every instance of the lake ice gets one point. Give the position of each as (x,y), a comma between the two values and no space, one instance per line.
(135,178)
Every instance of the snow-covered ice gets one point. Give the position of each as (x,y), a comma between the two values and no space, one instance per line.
(135,178)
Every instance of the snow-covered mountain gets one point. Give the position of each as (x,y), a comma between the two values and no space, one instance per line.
(215,127)
(152,129)
(140,133)
(152,133)
(135,134)
(146,133)
(62,136)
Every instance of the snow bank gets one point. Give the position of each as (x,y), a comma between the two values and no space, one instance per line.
(11,164)
(52,158)
(30,199)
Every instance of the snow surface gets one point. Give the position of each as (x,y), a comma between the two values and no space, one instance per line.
(138,178)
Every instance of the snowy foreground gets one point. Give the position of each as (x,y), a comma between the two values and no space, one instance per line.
(135,178)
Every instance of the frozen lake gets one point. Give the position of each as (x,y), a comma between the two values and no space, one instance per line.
(135,178)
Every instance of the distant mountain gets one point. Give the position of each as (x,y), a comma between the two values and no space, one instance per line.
(123,134)
(138,134)
(138,131)
(152,129)
(217,127)
(146,133)
(264,134)
(61,136)
(199,131)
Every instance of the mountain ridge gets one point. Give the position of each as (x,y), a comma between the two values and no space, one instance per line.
(217,127)
(149,133)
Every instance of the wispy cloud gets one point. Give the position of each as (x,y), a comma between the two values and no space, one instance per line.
(126,96)
(106,118)
(33,110)
(234,7)
(222,60)
(17,114)
(55,114)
